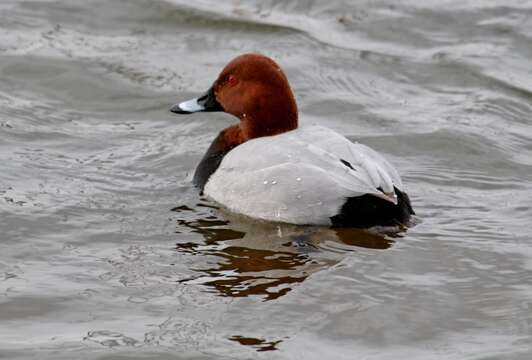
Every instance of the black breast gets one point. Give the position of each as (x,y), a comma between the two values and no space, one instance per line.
(210,162)
(367,210)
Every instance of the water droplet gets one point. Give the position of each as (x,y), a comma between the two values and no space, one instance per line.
(265,182)
(298,196)
(298,179)
(274,182)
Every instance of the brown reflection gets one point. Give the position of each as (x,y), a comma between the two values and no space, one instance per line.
(259,344)
(255,269)
(365,239)
(261,258)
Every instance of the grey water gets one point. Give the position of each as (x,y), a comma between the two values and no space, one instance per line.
(108,252)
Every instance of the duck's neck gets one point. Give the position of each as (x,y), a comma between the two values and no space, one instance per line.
(232,136)
(250,128)
(270,115)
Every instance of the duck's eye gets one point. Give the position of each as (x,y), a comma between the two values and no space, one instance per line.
(232,80)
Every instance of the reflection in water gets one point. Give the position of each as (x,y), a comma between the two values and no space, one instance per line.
(259,344)
(256,272)
(263,258)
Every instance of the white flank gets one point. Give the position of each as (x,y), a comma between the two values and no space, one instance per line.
(299,176)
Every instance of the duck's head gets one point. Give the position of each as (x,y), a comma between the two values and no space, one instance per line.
(253,88)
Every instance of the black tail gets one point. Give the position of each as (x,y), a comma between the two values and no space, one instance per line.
(367,210)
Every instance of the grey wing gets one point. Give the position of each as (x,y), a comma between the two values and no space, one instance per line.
(373,167)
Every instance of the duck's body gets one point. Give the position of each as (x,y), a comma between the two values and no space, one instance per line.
(267,168)
(305,176)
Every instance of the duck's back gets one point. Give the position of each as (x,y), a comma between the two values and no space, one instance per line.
(311,175)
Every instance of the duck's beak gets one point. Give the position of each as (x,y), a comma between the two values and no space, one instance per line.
(206,102)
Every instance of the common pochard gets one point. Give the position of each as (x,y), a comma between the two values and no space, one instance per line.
(266,167)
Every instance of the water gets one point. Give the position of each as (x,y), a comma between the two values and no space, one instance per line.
(108,252)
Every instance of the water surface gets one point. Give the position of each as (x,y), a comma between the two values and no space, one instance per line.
(108,252)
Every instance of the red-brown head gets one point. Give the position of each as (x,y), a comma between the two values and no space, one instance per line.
(253,88)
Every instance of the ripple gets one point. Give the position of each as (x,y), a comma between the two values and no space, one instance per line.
(95,265)
(110,338)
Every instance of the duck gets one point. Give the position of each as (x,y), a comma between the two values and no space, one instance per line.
(267,167)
